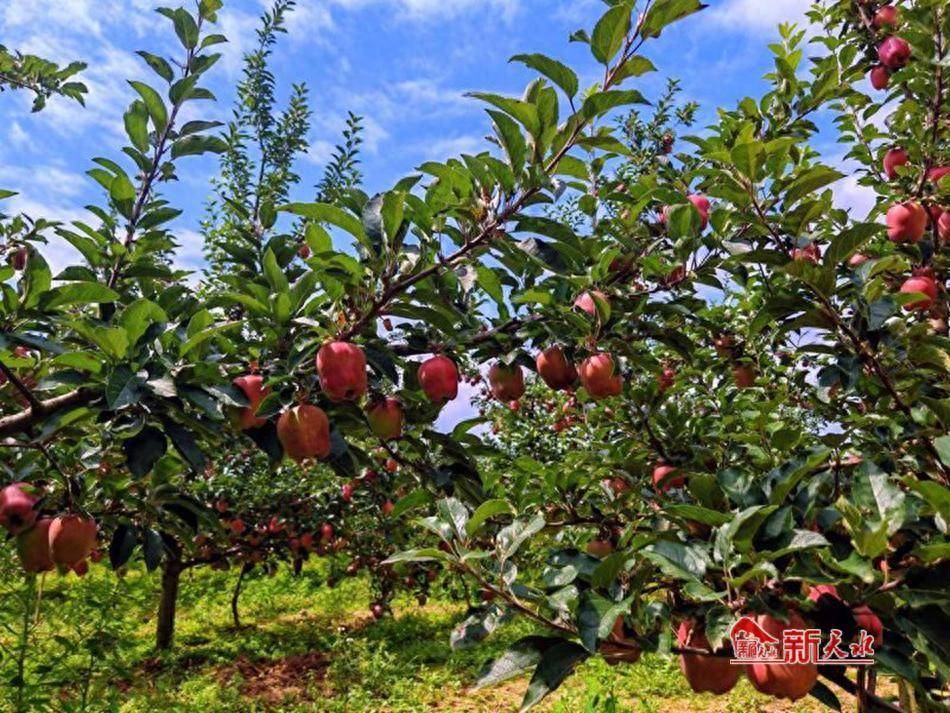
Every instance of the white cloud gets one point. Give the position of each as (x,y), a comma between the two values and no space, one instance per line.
(319,152)
(17,136)
(573,12)
(850,195)
(758,15)
(441,149)
(426,10)
(189,255)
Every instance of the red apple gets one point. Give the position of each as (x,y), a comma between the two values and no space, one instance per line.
(33,547)
(869,621)
(71,539)
(724,345)
(791,681)
(880,77)
(666,379)
(938,172)
(857,260)
(664,478)
(701,203)
(810,253)
(326,532)
(341,367)
(303,251)
(892,159)
(817,591)
(943,225)
(506,381)
(598,377)
(894,52)
(618,648)
(253,387)
(385,418)
(705,674)
(18,507)
(906,222)
(586,301)
(887,15)
(599,548)
(439,379)
(18,258)
(743,375)
(304,432)
(924,284)
(555,369)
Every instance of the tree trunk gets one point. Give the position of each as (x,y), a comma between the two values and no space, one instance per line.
(171,576)
(235,614)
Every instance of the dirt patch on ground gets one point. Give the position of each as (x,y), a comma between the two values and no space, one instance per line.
(292,678)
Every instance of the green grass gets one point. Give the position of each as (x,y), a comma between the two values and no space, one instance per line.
(304,647)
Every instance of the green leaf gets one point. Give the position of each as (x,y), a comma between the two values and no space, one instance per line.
(123,387)
(136,125)
(122,545)
(556,664)
(154,104)
(186,28)
(79,293)
(520,656)
(748,157)
(636,66)
(205,335)
(198,126)
(942,445)
(415,499)
(799,540)
(526,114)
(36,279)
(208,9)
(511,139)
(677,560)
(600,103)
(825,695)
(665,12)
(811,180)
(327,213)
(275,276)
(154,550)
(559,73)
(845,245)
(143,450)
(489,508)
(186,445)
(488,281)
(122,193)
(425,554)
(610,32)
(513,536)
(196,145)
(392,214)
(160,65)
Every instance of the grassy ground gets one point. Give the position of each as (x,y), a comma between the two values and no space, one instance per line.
(304,647)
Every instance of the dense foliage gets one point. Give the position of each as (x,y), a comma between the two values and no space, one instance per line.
(736,389)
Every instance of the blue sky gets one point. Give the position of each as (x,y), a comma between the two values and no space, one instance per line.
(403,64)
